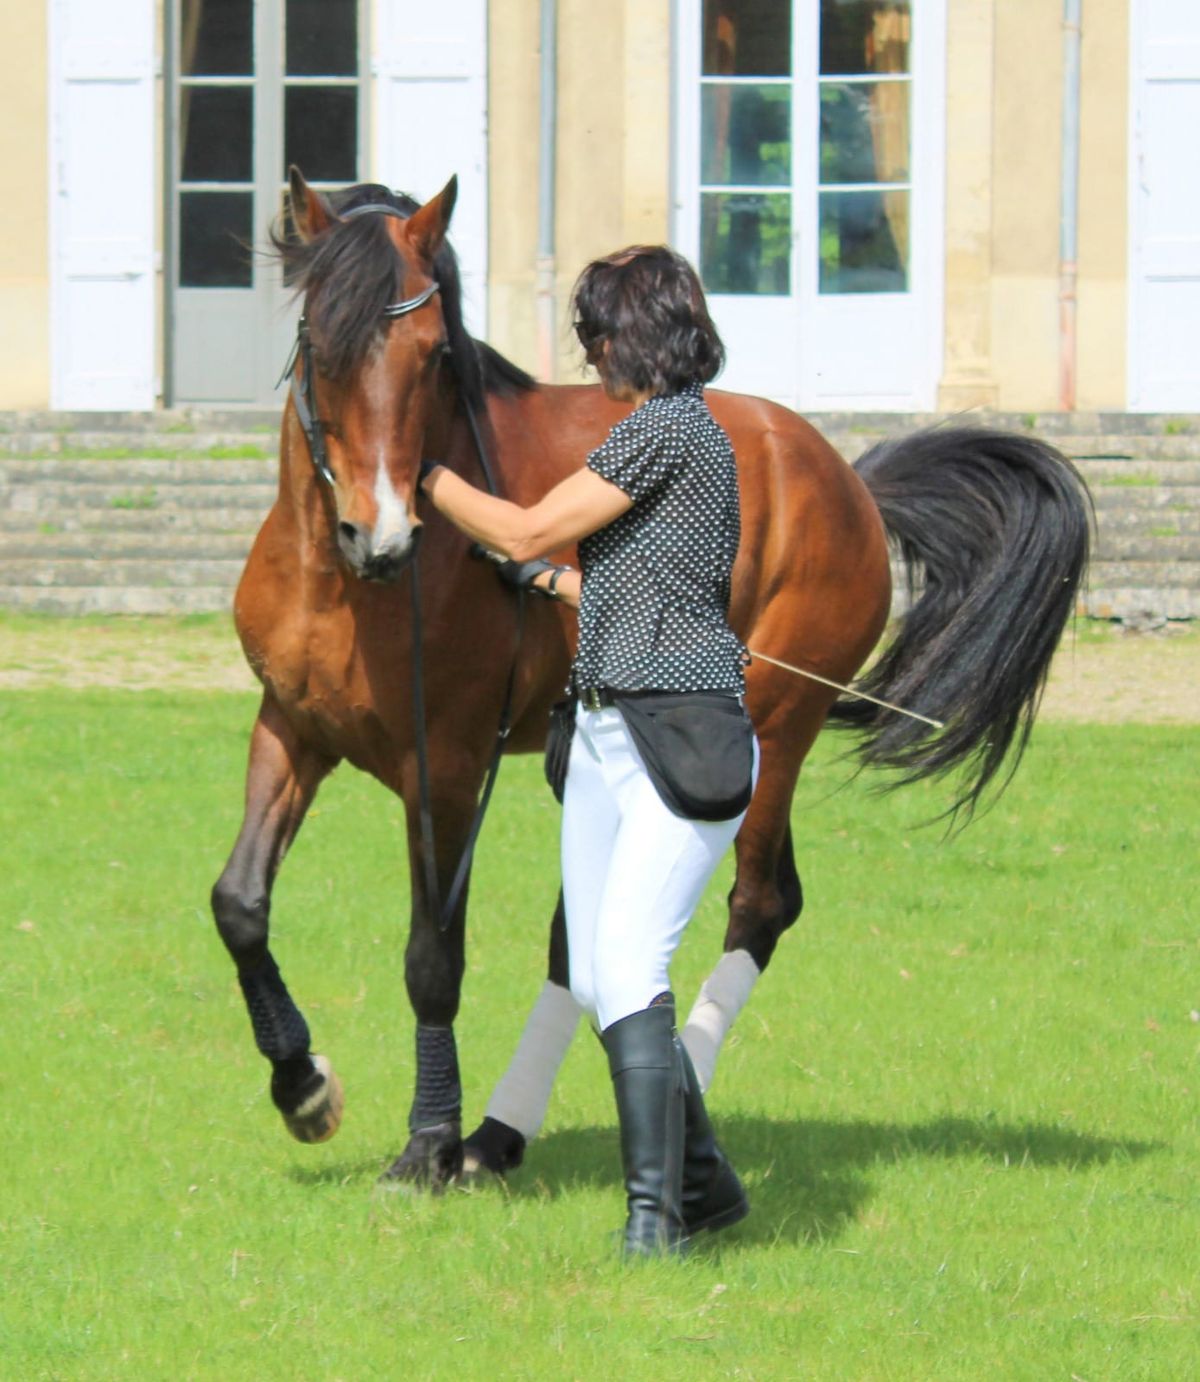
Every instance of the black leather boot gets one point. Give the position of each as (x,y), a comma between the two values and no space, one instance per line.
(648,1081)
(713,1196)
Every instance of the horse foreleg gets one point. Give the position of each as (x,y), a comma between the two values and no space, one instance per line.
(434,960)
(281,781)
(518,1104)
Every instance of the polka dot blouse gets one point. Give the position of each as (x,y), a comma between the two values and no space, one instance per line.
(652,614)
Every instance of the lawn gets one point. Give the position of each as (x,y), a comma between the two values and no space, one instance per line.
(963,1098)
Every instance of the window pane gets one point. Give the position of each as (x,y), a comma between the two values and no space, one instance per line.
(216,133)
(864,242)
(746,242)
(747,38)
(214,238)
(320,132)
(322,38)
(216,38)
(862,36)
(745,134)
(864,132)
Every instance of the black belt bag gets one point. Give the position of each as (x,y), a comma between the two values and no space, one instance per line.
(698,748)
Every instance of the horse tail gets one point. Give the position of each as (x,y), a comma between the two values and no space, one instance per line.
(993,529)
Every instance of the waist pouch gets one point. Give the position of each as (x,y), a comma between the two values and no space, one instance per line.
(558,745)
(698,748)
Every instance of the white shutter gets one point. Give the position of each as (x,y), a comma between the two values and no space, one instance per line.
(102,204)
(1164,279)
(430,120)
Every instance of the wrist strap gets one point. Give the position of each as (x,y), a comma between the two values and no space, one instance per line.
(552,583)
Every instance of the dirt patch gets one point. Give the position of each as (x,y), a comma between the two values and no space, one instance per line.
(1102,674)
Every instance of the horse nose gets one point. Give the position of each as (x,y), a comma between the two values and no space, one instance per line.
(372,561)
(393,555)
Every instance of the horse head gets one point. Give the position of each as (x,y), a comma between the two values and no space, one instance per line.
(368,384)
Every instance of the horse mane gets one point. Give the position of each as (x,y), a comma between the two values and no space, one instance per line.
(352,272)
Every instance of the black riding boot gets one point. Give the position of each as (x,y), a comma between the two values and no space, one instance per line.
(648,1081)
(713,1197)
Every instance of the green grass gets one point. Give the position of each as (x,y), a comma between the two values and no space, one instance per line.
(963,1097)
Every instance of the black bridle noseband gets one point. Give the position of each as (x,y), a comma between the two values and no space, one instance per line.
(305,403)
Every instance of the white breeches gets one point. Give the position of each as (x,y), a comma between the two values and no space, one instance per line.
(633,873)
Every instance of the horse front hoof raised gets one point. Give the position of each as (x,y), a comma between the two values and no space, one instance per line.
(312,1112)
(432,1160)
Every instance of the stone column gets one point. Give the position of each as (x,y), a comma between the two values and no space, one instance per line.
(968,377)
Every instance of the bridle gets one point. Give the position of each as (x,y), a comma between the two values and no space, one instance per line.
(305,403)
(304,398)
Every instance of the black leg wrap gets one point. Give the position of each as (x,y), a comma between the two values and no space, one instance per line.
(438,1098)
(280,1032)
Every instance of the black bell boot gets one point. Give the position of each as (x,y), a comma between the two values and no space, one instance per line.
(713,1196)
(648,1081)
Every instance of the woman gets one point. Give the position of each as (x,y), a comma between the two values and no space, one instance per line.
(662,762)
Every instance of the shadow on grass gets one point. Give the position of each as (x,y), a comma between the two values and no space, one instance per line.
(807,1180)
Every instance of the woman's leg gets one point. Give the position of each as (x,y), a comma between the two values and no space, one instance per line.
(590,820)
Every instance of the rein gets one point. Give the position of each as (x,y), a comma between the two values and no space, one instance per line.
(305,403)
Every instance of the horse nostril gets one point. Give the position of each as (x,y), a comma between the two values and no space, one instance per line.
(350,532)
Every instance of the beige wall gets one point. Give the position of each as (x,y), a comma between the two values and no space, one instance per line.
(613,154)
(24,220)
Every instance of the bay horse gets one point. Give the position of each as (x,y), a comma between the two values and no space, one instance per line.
(411,686)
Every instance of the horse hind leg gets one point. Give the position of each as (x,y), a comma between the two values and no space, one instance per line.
(765,900)
(281,782)
(517,1107)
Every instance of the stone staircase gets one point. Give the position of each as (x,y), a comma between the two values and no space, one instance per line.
(154,513)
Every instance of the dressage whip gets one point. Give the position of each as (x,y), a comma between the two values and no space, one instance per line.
(499,559)
(849,690)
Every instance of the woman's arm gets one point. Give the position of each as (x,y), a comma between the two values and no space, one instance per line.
(575,507)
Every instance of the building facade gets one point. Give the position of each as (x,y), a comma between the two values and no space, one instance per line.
(895,204)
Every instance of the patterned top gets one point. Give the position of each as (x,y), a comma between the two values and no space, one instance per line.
(652,613)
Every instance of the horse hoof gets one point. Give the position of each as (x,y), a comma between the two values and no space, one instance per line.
(432,1160)
(493,1149)
(318,1115)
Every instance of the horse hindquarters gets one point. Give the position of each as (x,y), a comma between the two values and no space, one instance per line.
(282,779)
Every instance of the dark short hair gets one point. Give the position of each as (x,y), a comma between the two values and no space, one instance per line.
(647,303)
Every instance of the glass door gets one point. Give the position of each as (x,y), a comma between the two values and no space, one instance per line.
(256,86)
(809,192)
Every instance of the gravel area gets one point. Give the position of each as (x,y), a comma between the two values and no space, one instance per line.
(1104,673)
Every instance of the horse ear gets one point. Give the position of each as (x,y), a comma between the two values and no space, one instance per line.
(311,213)
(427,227)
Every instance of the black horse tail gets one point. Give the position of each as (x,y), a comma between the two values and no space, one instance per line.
(994,530)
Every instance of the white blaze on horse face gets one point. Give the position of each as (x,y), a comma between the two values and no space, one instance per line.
(393,527)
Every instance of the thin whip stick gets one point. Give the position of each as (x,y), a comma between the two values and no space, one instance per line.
(849,690)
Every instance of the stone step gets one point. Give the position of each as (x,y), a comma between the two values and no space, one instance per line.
(1170,498)
(58,495)
(129,471)
(1129,574)
(107,599)
(1127,447)
(153,573)
(1158,548)
(1136,602)
(1111,472)
(1148,521)
(244,519)
(140,546)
